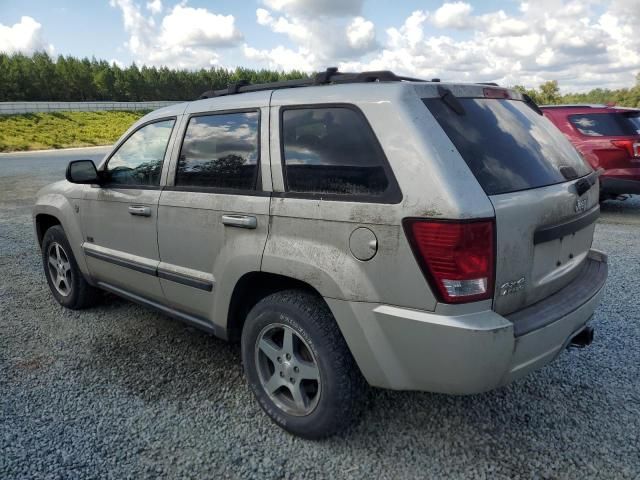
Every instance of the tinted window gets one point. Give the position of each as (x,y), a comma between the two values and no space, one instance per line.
(507,146)
(606,124)
(220,151)
(331,151)
(138,161)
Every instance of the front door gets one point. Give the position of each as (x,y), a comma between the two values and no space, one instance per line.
(213,214)
(119,218)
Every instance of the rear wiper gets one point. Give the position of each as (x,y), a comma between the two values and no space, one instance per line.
(529,101)
(451,100)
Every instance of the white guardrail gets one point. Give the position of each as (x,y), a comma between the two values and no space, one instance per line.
(8,108)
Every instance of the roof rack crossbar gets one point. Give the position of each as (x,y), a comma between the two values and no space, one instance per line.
(330,75)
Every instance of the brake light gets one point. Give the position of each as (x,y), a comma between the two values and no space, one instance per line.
(496,93)
(457,258)
(632,147)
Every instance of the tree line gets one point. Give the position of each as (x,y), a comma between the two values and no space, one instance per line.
(39,77)
(548,93)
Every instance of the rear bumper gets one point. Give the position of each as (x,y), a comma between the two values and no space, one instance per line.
(621,181)
(406,349)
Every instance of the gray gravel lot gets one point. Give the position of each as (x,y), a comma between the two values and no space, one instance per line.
(119,391)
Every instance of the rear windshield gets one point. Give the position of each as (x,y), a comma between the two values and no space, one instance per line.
(606,124)
(507,145)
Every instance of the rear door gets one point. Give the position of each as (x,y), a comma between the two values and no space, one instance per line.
(545,196)
(213,215)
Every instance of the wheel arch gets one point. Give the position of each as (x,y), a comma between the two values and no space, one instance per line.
(43,222)
(250,289)
(55,209)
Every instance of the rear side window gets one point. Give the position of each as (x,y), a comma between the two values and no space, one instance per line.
(606,124)
(220,151)
(332,150)
(507,145)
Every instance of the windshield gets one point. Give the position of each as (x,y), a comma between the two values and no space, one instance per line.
(507,145)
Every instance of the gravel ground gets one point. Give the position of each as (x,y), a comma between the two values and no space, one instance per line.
(121,392)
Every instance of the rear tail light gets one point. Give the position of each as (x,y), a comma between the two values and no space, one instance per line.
(457,258)
(631,146)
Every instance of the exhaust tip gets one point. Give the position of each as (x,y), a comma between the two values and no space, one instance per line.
(582,339)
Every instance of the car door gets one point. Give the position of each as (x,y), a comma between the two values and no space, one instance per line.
(119,217)
(213,214)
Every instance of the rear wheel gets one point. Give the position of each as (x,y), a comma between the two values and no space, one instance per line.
(298,365)
(65,279)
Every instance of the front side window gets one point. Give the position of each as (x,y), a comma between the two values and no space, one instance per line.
(606,124)
(138,161)
(331,150)
(220,151)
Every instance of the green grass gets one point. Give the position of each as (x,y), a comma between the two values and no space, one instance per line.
(36,131)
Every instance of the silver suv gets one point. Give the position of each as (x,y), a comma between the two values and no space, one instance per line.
(349,229)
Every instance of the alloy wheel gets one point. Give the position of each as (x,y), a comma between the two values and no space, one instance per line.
(59,269)
(287,369)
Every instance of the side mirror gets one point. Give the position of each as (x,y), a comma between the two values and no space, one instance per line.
(82,171)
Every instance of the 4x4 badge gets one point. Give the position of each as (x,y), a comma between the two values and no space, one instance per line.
(512,287)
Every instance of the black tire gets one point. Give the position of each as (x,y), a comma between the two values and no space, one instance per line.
(342,388)
(80,294)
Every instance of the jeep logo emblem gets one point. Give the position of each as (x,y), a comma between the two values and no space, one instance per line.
(581,205)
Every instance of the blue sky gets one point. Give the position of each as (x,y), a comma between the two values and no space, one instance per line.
(581,43)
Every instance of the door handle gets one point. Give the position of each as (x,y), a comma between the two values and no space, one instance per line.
(241,221)
(140,210)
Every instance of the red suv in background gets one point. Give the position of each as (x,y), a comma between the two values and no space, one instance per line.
(608,138)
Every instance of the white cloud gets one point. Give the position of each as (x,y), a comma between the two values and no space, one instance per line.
(24,37)
(293,27)
(155,6)
(312,8)
(188,26)
(185,37)
(324,32)
(577,42)
(581,43)
(411,31)
(453,15)
(361,33)
(282,58)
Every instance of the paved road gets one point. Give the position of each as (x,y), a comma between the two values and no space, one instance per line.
(23,174)
(119,391)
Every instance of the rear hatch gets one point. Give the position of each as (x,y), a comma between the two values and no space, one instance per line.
(544,194)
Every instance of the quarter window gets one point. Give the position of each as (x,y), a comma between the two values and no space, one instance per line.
(331,150)
(220,151)
(138,161)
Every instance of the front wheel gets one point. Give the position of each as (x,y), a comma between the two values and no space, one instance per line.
(65,279)
(298,365)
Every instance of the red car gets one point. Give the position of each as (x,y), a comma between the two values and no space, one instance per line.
(608,138)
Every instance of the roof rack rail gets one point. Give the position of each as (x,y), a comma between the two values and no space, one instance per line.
(329,76)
